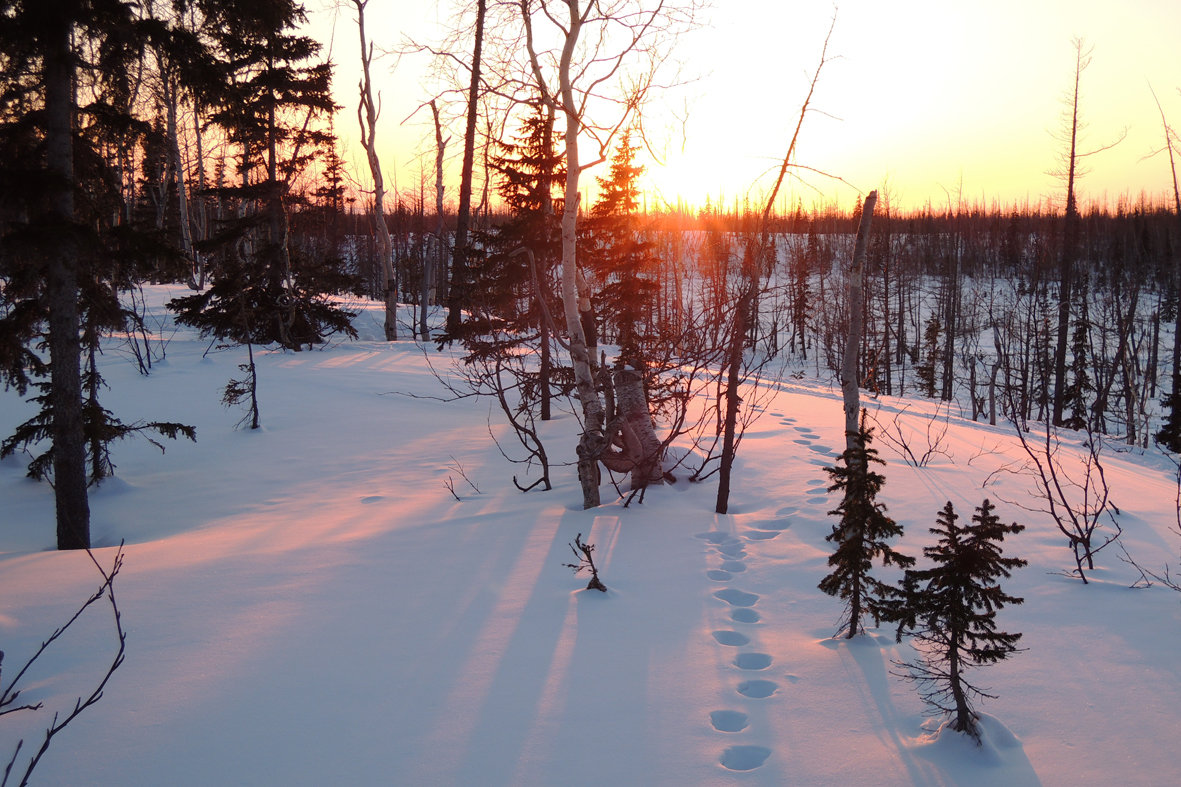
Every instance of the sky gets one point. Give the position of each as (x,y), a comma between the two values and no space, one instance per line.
(930,102)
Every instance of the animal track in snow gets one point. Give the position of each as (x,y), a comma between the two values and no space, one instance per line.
(731,638)
(733,549)
(737,598)
(716,537)
(728,720)
(752,661)
(757,689)
(744,758)
(777,524)
(745,615)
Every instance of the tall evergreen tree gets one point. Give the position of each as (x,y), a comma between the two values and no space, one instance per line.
(951,608)
(512,301)
(623,263)
(271,94)
(66,129)
(861,536)
(1169,434)
(1080,385)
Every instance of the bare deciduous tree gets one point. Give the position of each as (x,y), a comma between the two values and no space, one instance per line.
(367,113)
(11,692)
(597,43)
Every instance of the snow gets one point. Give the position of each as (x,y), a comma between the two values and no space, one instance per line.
(309,604)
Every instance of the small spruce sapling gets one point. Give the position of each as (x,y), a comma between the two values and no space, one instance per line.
(951,610)
(583,552)
(861,536)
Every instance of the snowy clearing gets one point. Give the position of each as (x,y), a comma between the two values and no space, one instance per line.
(309,604)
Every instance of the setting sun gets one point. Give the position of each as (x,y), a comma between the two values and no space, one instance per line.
(590,392)
(938,101)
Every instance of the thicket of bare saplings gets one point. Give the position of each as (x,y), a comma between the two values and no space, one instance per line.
(959,305)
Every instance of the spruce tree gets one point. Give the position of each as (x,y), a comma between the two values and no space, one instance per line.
(1080,385)
(68,241)
(271,92)
(505,295)
(623,263)
(514,287)
(925,371)
(861,536)
(951,609)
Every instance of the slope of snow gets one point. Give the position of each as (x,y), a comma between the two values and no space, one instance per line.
(309,604)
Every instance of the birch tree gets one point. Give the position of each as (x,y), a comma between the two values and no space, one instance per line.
(595,45)
(367,114)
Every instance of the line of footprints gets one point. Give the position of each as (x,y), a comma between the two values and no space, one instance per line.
(732,551)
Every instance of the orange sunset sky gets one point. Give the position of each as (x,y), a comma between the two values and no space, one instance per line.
(935,100)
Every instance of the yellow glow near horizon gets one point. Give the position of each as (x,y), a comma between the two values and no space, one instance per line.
(938,101)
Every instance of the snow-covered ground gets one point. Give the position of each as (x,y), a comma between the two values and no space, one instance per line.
(308,604)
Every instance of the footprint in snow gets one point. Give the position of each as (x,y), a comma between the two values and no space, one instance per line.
(752,661)
(718,575)
(737,598)
(734,549)
(731,638)
(715,537)
(757,689)
(728,720)
(372,498)
(762,535)
(744,758)
(733,566)
(820,449)
(817,500)
(745,615)
(803,441)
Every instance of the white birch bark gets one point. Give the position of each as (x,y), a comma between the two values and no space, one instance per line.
(367,112)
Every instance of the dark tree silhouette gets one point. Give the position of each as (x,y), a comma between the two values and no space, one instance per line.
(951,609)
(861,536)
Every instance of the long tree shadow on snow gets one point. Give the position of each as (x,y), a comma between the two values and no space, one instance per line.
(939,760)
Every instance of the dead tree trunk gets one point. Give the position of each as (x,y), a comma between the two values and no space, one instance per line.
(459,266)
(367,112)
(440,235)
(850,375)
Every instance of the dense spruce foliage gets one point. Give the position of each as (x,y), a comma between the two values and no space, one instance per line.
(951,609)
(861,536)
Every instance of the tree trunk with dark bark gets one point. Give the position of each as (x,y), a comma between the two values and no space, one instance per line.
(69,450)
(459,268)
